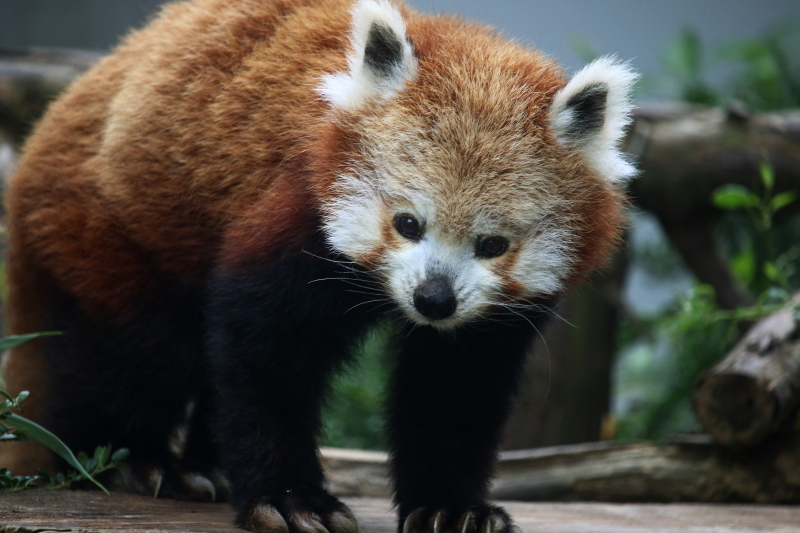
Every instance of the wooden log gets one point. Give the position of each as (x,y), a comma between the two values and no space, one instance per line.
(30,79)
(756,387)
(685,153)
(648,472)
(356,472)
(693,470)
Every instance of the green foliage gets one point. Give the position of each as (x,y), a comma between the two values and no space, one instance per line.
(764,71)
(661,358)
(14,427)
(354,416)
(662,367)
(684,59)
(10,404)
(768,78)
(759,264)
(101,461)
(12,341)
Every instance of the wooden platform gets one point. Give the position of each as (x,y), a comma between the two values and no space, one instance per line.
(79,512)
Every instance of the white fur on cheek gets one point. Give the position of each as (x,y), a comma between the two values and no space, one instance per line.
(354,218)
(351,89)
(544,261)
(477,288)
(602,150)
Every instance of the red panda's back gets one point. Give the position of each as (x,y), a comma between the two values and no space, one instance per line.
(147,158)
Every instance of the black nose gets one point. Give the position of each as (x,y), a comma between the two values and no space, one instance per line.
(434,299)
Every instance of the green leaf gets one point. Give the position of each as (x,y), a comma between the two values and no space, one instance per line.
(120,455)
(775,295)
(734,197)
(54,443)
(82,457)
(771,271)
(684,55)
(102,454)
(12,341)
(743,264)
(6,395)
(767,176)
(90,465)
(782,200)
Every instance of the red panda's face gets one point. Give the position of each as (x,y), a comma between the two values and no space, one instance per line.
(467,191)
(480,219)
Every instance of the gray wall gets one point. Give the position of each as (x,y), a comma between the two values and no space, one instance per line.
(633,29)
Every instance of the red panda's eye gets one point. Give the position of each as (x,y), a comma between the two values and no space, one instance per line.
(408,226)
(492,247)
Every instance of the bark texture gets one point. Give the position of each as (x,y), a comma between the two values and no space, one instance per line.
(756,387)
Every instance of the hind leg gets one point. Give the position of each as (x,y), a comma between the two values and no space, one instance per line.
(23,367)
(127,381)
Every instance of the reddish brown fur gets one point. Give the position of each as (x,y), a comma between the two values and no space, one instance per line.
(201,140)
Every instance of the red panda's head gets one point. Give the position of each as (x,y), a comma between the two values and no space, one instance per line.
(471,176)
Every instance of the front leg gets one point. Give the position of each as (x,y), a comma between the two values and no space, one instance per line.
(275,337)
(452,392)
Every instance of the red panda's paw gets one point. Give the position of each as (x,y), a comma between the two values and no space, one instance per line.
(163,482)
(318,513)
(476,519)
(208,486)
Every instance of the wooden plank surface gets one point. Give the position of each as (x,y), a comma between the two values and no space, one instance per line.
(83,512)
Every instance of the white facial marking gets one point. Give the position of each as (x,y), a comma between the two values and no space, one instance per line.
(355,223)
(472,282)
(544,258)
(354,219)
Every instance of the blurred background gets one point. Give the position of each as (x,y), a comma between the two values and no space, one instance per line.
(712,245)
(631,29)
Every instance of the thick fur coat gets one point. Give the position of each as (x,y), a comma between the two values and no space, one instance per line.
(217,213)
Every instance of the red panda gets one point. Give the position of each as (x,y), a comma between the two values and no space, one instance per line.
(217,213)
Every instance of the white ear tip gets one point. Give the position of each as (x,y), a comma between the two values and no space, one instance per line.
(362,81)
(599,146)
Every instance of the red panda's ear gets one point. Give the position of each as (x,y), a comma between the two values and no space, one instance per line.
(380,61)
(590,114)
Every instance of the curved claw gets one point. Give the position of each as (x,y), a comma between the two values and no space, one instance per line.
(266,518)
(343,521)
(493,525)
(308,523)
(488,525)
(200,484)
(411,524)
(468,523)
(438,521)
(156,478)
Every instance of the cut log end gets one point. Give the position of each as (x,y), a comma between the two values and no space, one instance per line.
(736,409)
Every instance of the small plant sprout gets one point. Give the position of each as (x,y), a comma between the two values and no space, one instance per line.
(14,427)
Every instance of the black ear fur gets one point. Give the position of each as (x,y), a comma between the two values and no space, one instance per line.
(588,112)
(384,50)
